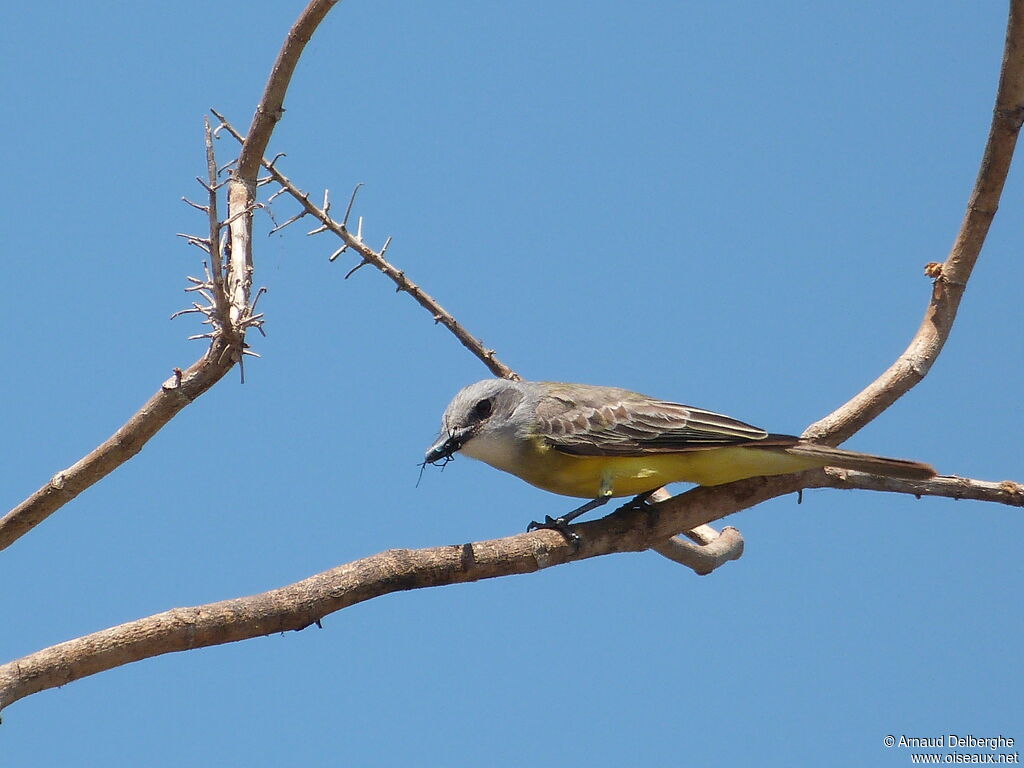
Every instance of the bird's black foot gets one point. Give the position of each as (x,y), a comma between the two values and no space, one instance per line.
(559,524)
(638,502)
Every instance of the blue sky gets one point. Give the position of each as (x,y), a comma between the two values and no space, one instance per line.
(724,204)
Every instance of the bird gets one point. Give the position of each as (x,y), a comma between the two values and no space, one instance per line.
(598,443)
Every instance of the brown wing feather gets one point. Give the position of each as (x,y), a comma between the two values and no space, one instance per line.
(602,421)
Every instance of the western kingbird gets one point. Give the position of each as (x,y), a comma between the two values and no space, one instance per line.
(600,442)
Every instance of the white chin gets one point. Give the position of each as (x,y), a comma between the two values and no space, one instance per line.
(493,450)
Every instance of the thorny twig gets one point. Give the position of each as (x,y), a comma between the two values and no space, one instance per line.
(355,242)
(229,315)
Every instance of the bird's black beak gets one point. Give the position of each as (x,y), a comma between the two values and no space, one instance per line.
(447,444)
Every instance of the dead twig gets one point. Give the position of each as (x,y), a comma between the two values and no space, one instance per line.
(704,558)
(216,256)
(711,549)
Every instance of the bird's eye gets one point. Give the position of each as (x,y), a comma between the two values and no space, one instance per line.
(482,409)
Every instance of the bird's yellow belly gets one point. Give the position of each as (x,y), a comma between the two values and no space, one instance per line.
(591,477)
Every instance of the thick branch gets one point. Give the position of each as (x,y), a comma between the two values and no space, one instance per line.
(306,602)
(952,275)
(301,604)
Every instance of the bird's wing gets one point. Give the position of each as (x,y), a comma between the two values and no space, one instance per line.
(601,421)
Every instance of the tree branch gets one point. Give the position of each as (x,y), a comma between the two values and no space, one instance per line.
(377,260)
(306,602)
(1005,492)
(952,275)
(175,393)
(220,299)
(271,107)
(703,558)
(710,549)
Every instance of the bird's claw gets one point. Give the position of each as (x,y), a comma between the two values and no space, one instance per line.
(641,501)
(555,524)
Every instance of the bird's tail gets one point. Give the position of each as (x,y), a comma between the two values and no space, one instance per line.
(862,462)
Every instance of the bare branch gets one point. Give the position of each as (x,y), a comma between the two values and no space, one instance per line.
(292,220)
(255,301)
(355,269)
(216,256)
(199,242)
(711,550)
(1005,492)
(195,308)
(299,605)
(118,448)
(370,256)
(952,275)
(704,558)
(243,212)
(197,206)
(306,602)
(271,106)
(351,202)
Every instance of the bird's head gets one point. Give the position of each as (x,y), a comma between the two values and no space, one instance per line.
(481,410)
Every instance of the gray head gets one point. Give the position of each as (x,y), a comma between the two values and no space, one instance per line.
(482,412)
